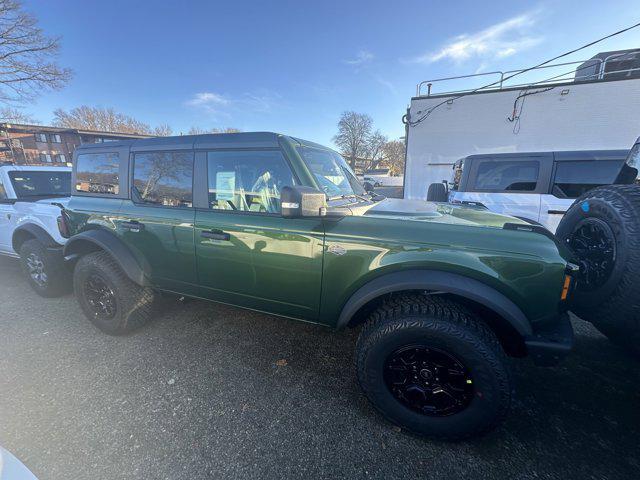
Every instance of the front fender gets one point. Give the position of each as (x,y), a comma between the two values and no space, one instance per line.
(29,230)
(94,240)
(436,281)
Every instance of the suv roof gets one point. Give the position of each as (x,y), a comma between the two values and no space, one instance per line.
(219,140)
(559,155)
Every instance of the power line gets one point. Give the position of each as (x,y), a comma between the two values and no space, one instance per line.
(502,80)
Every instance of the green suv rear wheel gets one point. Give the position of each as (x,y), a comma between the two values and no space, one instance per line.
(108,298)
(432,368)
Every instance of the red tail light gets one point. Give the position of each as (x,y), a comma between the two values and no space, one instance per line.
(63,227)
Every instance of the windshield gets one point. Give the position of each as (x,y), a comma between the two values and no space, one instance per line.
(41,184)
(332,173)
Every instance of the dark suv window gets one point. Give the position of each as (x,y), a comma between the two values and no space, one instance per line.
(97,173)
(511,176)
(247,180)
(164,178)
(572,179)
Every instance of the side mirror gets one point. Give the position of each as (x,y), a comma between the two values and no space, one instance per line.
(367,187)
(299,202)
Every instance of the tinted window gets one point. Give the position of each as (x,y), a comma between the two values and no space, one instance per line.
(3,192)
(97,173)
(164,178)
(41,184)
(508,176)
(247,180)
(572,179)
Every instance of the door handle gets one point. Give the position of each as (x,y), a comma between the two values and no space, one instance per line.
(558,212)
(133,226)
(215,234)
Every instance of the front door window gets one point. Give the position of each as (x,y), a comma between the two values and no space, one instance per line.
(247,180)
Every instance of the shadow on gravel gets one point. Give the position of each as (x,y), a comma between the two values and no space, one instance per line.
(212,391)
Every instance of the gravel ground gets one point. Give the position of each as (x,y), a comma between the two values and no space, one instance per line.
(210,391)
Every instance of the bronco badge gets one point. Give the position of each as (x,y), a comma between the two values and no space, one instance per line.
(337,250)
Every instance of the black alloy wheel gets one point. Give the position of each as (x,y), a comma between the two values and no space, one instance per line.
(594,245)
(100,297)
(428,380)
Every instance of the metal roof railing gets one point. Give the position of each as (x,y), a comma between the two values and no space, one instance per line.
(597,65)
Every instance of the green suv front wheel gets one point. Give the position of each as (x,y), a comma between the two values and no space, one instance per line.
(108,298)
(432,368)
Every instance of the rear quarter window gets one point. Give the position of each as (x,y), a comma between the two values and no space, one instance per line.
(573,178)
(98,173)
(164,178)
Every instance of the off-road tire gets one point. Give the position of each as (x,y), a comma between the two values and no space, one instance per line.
(51,264)
(437,192)
(133,303)
(614,308)
(442,324)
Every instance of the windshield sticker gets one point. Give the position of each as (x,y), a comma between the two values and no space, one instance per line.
(225,185)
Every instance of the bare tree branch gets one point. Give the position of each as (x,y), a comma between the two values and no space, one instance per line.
(200,131)
(27,56)
(394,153)
(13,115)
(99,119)
(354,129)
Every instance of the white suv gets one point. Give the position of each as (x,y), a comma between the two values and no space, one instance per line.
(32,225)
(539,187)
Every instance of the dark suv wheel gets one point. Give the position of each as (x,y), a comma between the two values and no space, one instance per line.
(111,301)
(432,368)
(45,271)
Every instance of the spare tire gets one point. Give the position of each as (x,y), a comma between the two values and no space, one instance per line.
(602,229)
(437,192)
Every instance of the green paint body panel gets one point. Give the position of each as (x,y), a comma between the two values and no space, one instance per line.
(308,268)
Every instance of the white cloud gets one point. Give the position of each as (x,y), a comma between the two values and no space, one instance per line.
(363,57)
(387,84)
(497,41)
(207,99)
(219,105)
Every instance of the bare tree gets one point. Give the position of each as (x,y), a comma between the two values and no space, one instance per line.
(200,130)
(14,115)
(163,130)
(354,130)
(27,56)
(394,153)
(375,145)
(100,119)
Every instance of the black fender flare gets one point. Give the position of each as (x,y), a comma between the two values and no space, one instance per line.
(437,281)
(23,232)
(92,240)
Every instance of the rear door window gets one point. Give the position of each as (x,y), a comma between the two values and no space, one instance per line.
(573,178)
(164,178)
(507,176)
(98,173)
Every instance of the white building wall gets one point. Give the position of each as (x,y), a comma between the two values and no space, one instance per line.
(604,115)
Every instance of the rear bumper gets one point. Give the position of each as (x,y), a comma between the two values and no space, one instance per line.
(549,345)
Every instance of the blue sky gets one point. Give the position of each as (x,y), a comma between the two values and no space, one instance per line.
(294,66)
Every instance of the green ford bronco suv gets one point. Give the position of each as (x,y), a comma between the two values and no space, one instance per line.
(443,295)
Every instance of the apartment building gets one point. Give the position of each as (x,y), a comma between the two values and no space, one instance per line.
(23,144)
